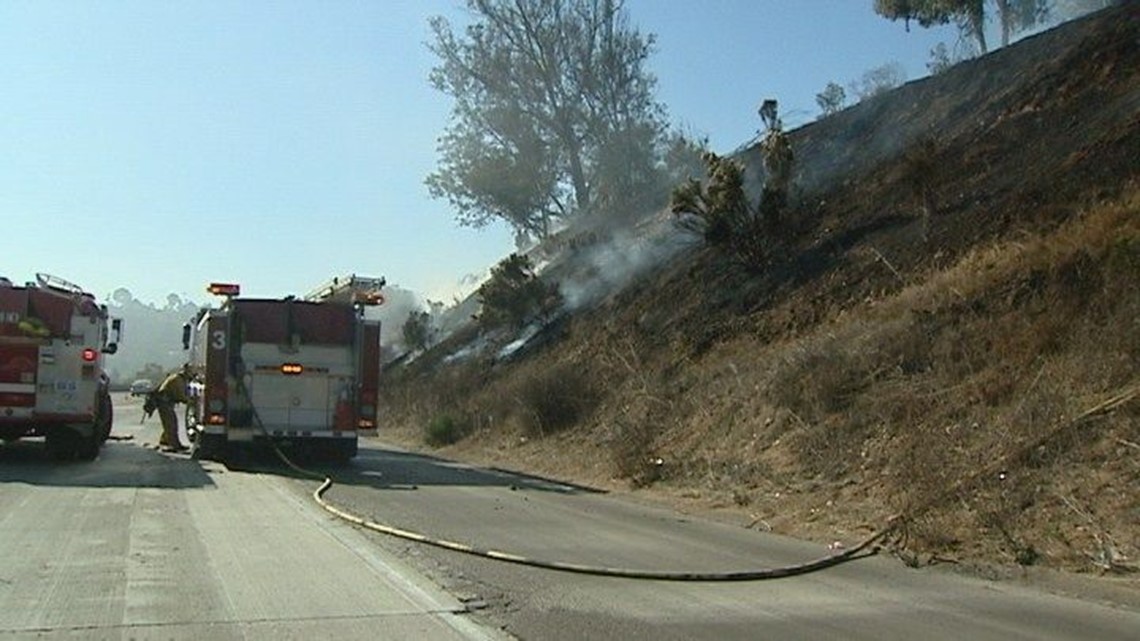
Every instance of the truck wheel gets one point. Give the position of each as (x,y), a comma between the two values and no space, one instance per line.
(60,445)
(207,447)
(104,418)
(87,447)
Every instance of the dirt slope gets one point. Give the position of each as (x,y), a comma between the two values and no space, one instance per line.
(977,372)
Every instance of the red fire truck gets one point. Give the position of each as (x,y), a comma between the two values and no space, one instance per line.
(302,373)
(53,337)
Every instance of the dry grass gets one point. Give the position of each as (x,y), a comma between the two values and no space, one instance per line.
(879,409)
(970,366)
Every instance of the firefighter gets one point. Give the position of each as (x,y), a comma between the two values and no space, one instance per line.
(171,392)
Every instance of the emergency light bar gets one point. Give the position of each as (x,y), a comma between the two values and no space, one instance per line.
(369,298)
(224,289)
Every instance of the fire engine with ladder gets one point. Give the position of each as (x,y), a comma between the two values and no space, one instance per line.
(300,373)
(53,339)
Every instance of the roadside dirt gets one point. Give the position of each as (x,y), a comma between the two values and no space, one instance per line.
(979,373)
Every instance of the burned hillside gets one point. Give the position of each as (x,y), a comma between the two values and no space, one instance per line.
(975,369)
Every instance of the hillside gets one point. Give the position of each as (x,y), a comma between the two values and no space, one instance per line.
(977,373)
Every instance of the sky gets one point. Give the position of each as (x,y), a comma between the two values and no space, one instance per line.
(159,145)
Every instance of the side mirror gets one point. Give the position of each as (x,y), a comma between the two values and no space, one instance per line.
(186,336)
(116,336)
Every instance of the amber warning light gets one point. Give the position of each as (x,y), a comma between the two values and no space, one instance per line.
(224,289)
(291,368)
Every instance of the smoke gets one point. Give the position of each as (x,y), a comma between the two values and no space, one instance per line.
(398,304)
(587,274)
(1069,9)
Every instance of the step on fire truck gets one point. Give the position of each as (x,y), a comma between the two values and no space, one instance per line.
(300,373)
(53,338)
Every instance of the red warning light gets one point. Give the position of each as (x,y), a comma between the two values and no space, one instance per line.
(224,289)
(90,355)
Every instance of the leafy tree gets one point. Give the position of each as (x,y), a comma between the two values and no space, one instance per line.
(831,99)
(514,295)
(417,330)
(970,15)
(879,80)
(511,178)
(553,111)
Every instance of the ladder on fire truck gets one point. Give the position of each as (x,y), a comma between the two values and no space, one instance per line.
(349,289)
(55,282)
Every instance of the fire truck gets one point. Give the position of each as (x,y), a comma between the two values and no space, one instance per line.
(302,373)
(53,338)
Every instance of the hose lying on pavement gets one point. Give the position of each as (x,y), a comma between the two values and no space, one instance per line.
(863,549)
(867,547)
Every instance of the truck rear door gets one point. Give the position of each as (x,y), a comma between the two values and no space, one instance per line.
(298,392)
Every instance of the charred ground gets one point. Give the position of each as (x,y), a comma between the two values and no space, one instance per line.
(976,371)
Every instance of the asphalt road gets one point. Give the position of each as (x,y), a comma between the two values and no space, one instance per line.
(141,545)
(871,598)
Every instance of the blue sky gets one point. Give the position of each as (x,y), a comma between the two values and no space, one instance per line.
(159,145)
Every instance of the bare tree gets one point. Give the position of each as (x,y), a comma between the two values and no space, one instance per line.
(878,80)
(831,99)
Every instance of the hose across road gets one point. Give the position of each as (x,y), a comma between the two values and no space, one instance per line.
(867,547)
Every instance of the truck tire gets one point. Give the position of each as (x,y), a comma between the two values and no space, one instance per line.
(104,417)
(65,444)
(60,444)
(343,451)
(87,447)
(207,447)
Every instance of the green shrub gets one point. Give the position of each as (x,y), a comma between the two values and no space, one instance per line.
(515,295)
(718,210)
(444,429)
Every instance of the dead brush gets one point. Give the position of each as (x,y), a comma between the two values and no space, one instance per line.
(438,403)
(633,455)
(550,400)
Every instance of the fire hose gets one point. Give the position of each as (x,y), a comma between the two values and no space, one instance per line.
(867,547)
(894,526)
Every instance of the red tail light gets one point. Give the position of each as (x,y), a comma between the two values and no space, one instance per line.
(90,355)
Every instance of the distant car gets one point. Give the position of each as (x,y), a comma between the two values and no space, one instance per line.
(141,387)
